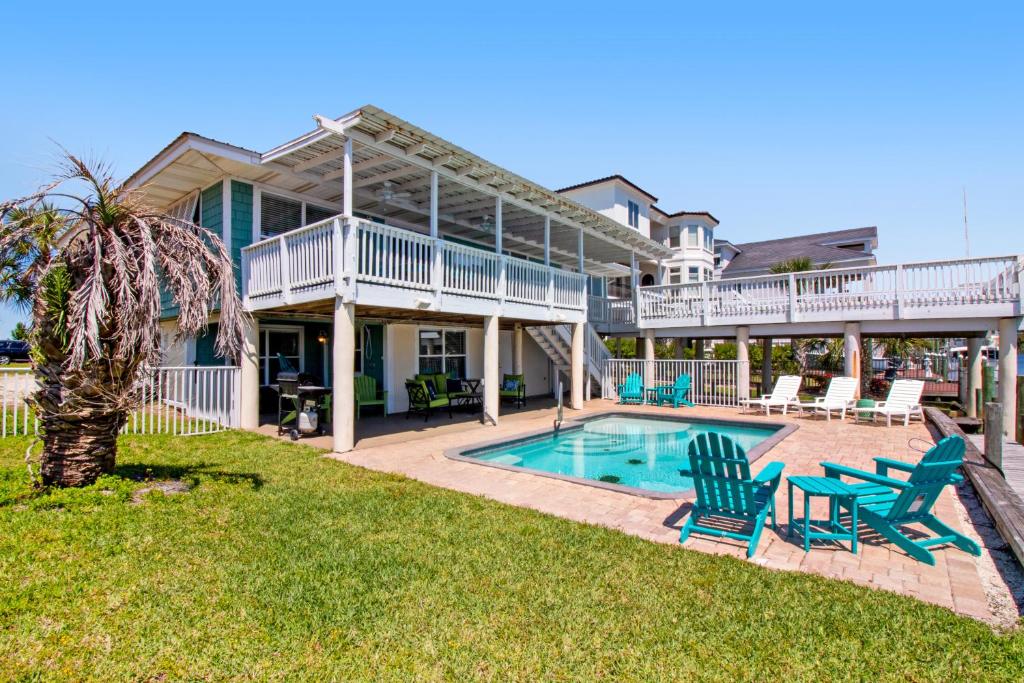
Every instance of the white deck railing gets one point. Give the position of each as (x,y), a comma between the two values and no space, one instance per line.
(174,400)
(601,310)
(712,382)
(313,262)
(932,289)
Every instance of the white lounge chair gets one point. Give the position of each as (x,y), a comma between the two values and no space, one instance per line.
(839,397)
(784,396)
(904,400)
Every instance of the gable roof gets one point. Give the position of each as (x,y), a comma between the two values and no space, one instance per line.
(608,179)
(758,257)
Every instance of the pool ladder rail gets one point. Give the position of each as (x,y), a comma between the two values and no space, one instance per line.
(558,418)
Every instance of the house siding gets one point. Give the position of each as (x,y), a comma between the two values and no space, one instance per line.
(211,216)
(241,224)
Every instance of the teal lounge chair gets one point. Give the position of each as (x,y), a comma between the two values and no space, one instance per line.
(675,393)
(721,475)
(887,504)
(632,390)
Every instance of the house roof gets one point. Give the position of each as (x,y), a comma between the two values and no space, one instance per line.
(821,248)
(608,179)
(677,214)
(389,150)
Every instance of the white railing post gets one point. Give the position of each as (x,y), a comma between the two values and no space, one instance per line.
(705,295)
(339,257)
(793,314)
(437,273)
(286,275)
(502,279)
(350,256)
(549,298)
(900,286)
(245,279)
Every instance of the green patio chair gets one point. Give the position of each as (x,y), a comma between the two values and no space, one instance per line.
(887,504)
(420,401)
(632,390)
(725,489)
(513,387)
(675,393)
(367,394)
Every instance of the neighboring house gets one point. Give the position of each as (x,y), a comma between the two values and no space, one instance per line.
(697,255)
(836,248)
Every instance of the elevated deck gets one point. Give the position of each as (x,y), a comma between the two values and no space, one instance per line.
(379,265)
(935,296)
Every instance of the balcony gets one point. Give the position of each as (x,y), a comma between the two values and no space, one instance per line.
(937,290)
(380,265)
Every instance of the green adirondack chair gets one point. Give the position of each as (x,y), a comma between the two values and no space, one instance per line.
(632,390)
(675,393)
(725,489)
(368,395)
(887,504)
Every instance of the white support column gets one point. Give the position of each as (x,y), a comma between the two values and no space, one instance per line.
(1008,328)
(344,397)
(433,204)
(649,379)
(492,381)
(517,349)
(437,267)
(579,250)
(974,375)
(743,369)
(852,353)
(576,367)
(497,225)
(347,179)
(249,379)
(547,241)
(634,283)
(766,365)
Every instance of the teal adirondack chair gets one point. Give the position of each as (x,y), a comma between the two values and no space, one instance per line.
(887,504)
(632,390)
(721,475)
(675,393)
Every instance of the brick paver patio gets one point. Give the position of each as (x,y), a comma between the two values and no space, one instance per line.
(955,582)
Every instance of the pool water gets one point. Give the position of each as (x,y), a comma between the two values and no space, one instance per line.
(635,452)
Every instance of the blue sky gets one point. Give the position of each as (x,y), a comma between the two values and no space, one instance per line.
(779,118)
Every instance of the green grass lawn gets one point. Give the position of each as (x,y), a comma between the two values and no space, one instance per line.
(280,564)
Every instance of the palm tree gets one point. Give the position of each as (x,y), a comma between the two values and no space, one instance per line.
(799,264)
(90,260)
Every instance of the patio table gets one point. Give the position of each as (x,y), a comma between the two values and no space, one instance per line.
(838,494)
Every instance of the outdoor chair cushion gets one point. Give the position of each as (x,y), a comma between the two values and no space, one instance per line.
(438,380)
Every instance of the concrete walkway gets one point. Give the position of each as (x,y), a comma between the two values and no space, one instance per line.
(959,581)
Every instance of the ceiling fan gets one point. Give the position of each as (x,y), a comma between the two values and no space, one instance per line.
(486,223)
(387,193)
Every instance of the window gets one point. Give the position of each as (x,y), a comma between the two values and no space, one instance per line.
(709,239)
(674,232)
(357,366)
(693,274)
(718,261)
(647,280)
(443,351)
(634,213)
(278,342)
(281,214)
(675,276)
(315,214)
(691,235)
(707,274)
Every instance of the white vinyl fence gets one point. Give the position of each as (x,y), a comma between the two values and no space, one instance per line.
(175,400)
(712,382)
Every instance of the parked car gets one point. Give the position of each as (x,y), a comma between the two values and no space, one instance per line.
(13,351)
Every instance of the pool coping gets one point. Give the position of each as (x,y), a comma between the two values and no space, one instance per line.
(783,429)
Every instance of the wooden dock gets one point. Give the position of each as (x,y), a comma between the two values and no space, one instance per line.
(1013,461)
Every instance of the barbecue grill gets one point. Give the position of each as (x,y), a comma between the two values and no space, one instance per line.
(300,394)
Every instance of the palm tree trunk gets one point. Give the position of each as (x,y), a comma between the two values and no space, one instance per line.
(77,426)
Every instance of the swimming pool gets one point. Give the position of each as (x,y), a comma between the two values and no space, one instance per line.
(622,451)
